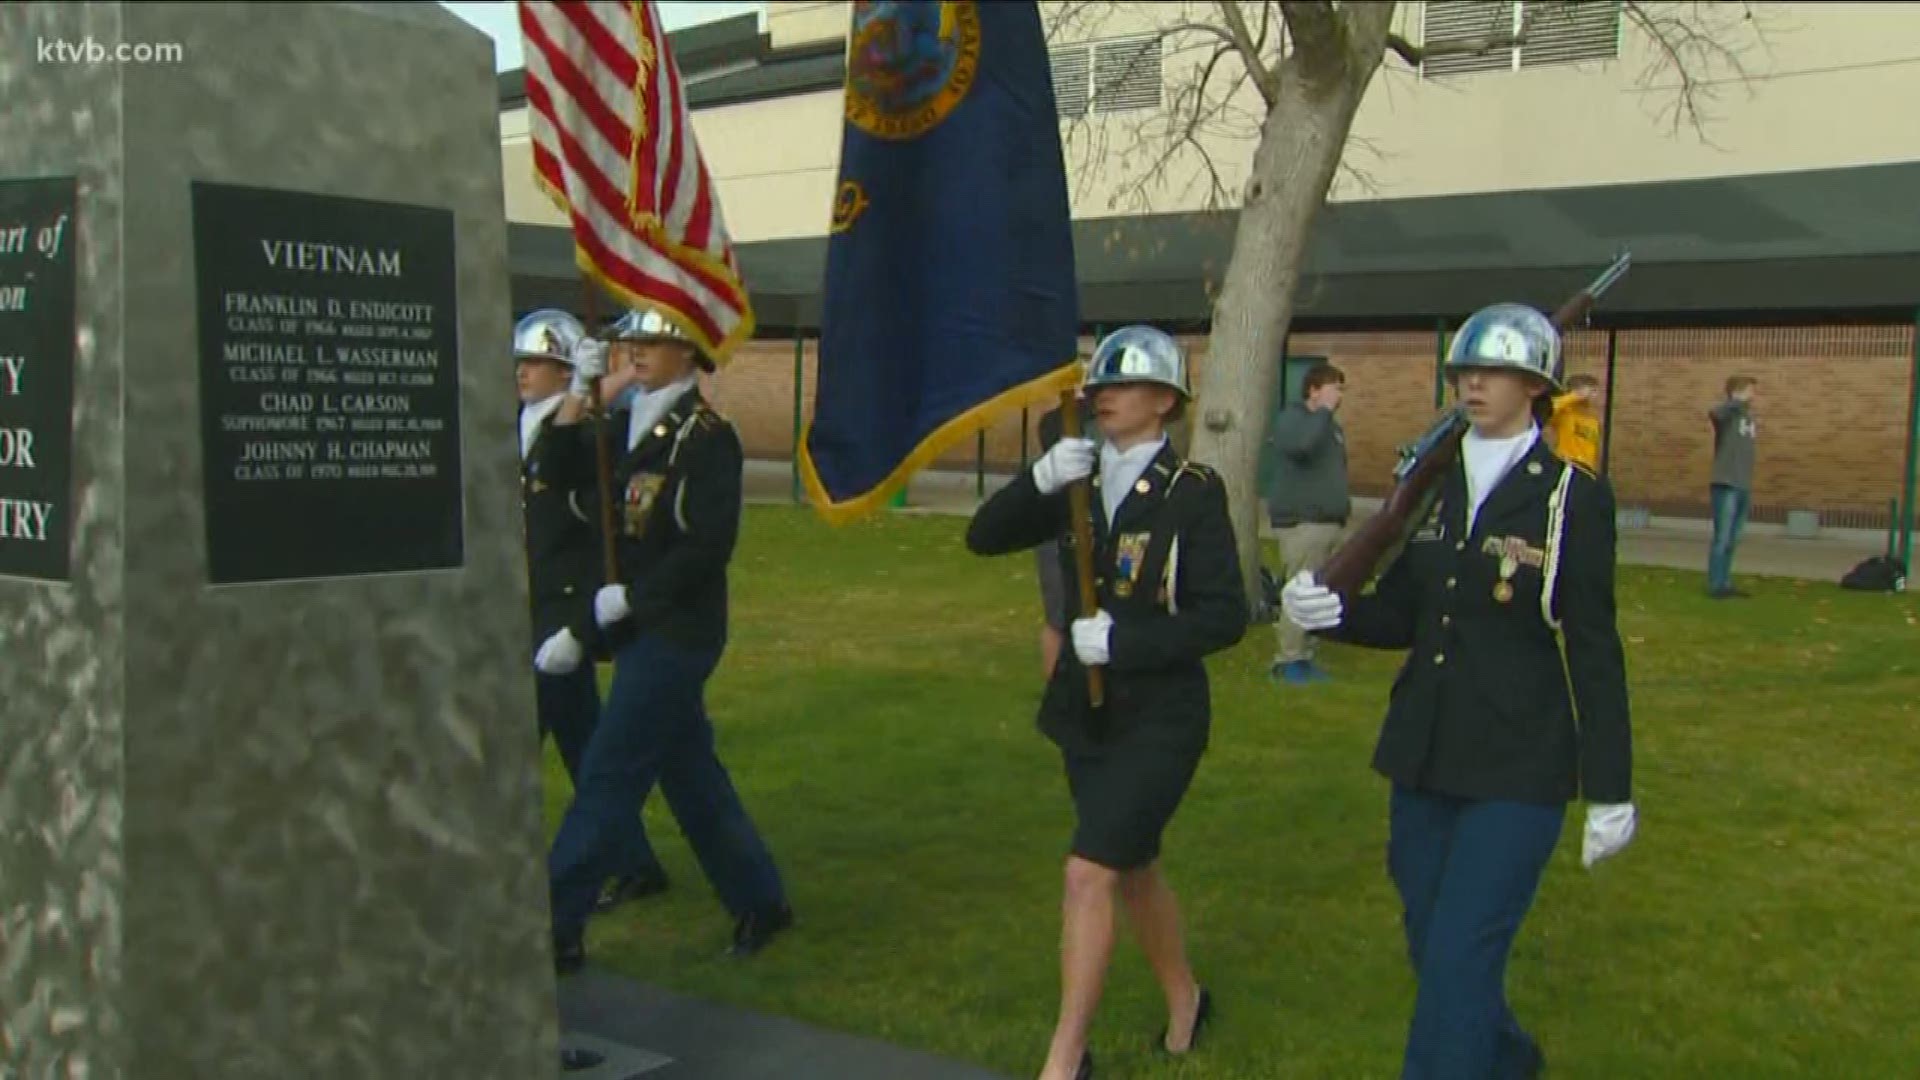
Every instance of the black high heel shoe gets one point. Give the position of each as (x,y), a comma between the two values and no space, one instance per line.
(1085,1071)
(1201,1014)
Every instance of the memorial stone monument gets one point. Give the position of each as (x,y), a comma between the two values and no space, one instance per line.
(269,788)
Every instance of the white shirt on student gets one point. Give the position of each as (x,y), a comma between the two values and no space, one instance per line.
(1121,469)
(1488,461)
(531,417)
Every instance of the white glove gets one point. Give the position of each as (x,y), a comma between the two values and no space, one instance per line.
(610,605)
(1068,461)
(1091,637)
(1311,606)
(589,363)
(559,654)
(1609,828)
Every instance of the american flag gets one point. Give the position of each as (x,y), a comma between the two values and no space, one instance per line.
(614,147)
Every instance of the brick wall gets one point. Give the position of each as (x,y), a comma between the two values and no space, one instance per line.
(1832,408)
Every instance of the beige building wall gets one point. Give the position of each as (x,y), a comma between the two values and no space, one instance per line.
(806,22)
(1825,89)
(1830,86)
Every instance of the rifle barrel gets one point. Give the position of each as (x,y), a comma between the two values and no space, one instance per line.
(1610,275)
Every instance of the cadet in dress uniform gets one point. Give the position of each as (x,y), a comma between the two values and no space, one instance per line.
(677,480)
(1481,742)
(563,566)
(1170,595)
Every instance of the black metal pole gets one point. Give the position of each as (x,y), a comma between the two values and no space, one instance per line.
(980,466)
(1913,451)
(799,380)
(1606,418)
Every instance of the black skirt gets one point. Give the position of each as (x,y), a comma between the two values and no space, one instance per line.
(1123,797)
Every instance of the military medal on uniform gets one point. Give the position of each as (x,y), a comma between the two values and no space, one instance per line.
(642,490)
(1132,551)
(1503,589)
(1514,552)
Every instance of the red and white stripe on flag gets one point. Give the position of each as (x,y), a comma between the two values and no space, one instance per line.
(614,147)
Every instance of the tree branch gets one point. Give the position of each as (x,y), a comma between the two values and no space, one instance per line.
(1316,30)
(1496,38)
(1415,55)
(1697,41)
(1242,40)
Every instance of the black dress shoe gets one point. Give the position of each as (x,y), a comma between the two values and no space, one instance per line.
(1201,1014)
(626,889)
(577,1060)
(569,957)
(756,929)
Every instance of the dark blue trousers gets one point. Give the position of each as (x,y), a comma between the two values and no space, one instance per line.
(655,729)
(1467,873)
(569,707)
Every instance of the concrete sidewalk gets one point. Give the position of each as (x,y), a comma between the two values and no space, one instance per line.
(649,1034)
(1673,543)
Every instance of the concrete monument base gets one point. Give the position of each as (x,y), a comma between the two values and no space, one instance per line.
(269,783)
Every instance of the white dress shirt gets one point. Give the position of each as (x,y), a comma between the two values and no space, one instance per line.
(650,406)
(1487,462)
(531,417)
(1121,469)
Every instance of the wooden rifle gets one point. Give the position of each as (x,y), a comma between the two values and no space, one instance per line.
(1416,480)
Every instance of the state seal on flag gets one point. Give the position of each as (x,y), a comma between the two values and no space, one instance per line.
(910,64)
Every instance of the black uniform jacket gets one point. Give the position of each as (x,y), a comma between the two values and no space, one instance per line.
(677,501)
(1168,612)
(1482,708)
(562,521)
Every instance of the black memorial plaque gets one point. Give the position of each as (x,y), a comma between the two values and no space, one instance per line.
(36,377)
(329,385)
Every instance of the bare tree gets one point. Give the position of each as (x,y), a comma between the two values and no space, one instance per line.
(1289,76)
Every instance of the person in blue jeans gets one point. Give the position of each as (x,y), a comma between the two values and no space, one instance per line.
(677,475)
(1731,490)
(1504,601)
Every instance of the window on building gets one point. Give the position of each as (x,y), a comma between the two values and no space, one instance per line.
(1117,75)
(1571,33)
(1126,75)
(1557,32)
(1072,67)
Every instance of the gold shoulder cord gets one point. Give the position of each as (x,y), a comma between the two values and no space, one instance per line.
(1556,536)
(680,494)
(1170,580)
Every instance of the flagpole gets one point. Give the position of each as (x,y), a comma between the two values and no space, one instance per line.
(1081,512)
(609,562)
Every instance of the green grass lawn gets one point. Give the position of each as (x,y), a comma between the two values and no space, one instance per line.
(876,708)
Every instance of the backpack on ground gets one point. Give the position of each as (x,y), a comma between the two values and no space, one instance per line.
(1878,574)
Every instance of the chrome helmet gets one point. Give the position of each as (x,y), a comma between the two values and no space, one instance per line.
(644,324)
(1138,354)
(1511,336)
(547,334)
(647,324)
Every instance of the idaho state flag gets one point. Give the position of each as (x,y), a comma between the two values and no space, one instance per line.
(950,295)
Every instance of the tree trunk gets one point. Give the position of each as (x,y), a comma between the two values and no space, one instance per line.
(1294,165)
